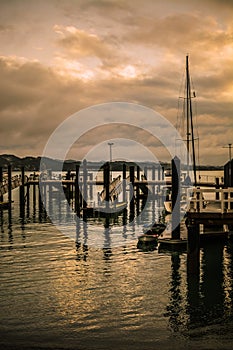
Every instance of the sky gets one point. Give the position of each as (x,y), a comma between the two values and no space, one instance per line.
(59,57)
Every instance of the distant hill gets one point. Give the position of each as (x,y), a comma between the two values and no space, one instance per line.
(30,163)
(33,164)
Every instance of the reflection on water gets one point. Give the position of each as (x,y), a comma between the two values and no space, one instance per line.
(64,294)
(175,310)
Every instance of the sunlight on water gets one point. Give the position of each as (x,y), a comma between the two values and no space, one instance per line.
(61,293)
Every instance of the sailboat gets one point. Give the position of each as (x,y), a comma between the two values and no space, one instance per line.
(190,144)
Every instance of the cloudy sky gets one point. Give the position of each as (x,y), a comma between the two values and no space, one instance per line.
(60,56)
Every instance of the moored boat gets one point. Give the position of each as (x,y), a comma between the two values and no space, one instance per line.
(156,228)
(5,205)
(147,241)
(187,133)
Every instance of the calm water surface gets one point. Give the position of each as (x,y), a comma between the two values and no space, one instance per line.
(61,293)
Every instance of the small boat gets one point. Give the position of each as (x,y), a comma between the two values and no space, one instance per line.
(187,199)
(5,205)
(147,241)
(113,209)
(156,228)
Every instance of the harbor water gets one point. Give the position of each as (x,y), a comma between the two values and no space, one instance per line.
(62,292)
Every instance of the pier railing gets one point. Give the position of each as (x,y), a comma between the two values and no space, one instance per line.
(114,188)
(221,199)
(16,181)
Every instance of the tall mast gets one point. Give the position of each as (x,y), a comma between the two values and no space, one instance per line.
(187,111)
(189,116)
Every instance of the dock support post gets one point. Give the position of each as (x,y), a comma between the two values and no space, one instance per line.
(77,191)
(68,187)
(124,182)
(84,183)
(145,172)
(175,198)
(137,188)
(1,180)
(159,178)
(34,194)
(131,178)
(9,185)
(193,248)
(162,177)
(217,188)
(21,194)
(28,199)
(91,185)
(153,178)
(106,183)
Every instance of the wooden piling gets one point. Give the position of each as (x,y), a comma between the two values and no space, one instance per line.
(131,178)
(84,183)
(132,198)
(34,195)
(153,178)
(217,186)
(77,191)
(1,180)
(9,172)
(68,187)
(124,182)
(175,198)
(40,195)
(138,191)
(145,172)
(28,199)
(193,248)
(107,183)
(21,194)
(91,186)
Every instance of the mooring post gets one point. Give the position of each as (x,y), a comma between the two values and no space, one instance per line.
(162,177)
(131,178)
(175,198)
(21,193)
(77,191)
(137,188)
(1,180)
(9,184)
(193,248)
(124,182)
(107,183)
(84,183)
(40,195)
(34,193)
(153,178)
(217,186)
(91,185)
(28,199)
(159,178)
(68,186)
(145,172)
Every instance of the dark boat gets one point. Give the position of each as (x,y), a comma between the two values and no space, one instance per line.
(187,121)
(5,205)
(156,228)
(149,240)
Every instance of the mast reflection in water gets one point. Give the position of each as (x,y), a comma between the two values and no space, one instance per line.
(60,294)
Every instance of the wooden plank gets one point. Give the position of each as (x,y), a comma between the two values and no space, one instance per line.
(214,218)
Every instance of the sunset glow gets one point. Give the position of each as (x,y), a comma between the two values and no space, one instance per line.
(59,57)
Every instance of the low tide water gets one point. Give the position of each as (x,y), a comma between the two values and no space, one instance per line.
(63,293)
